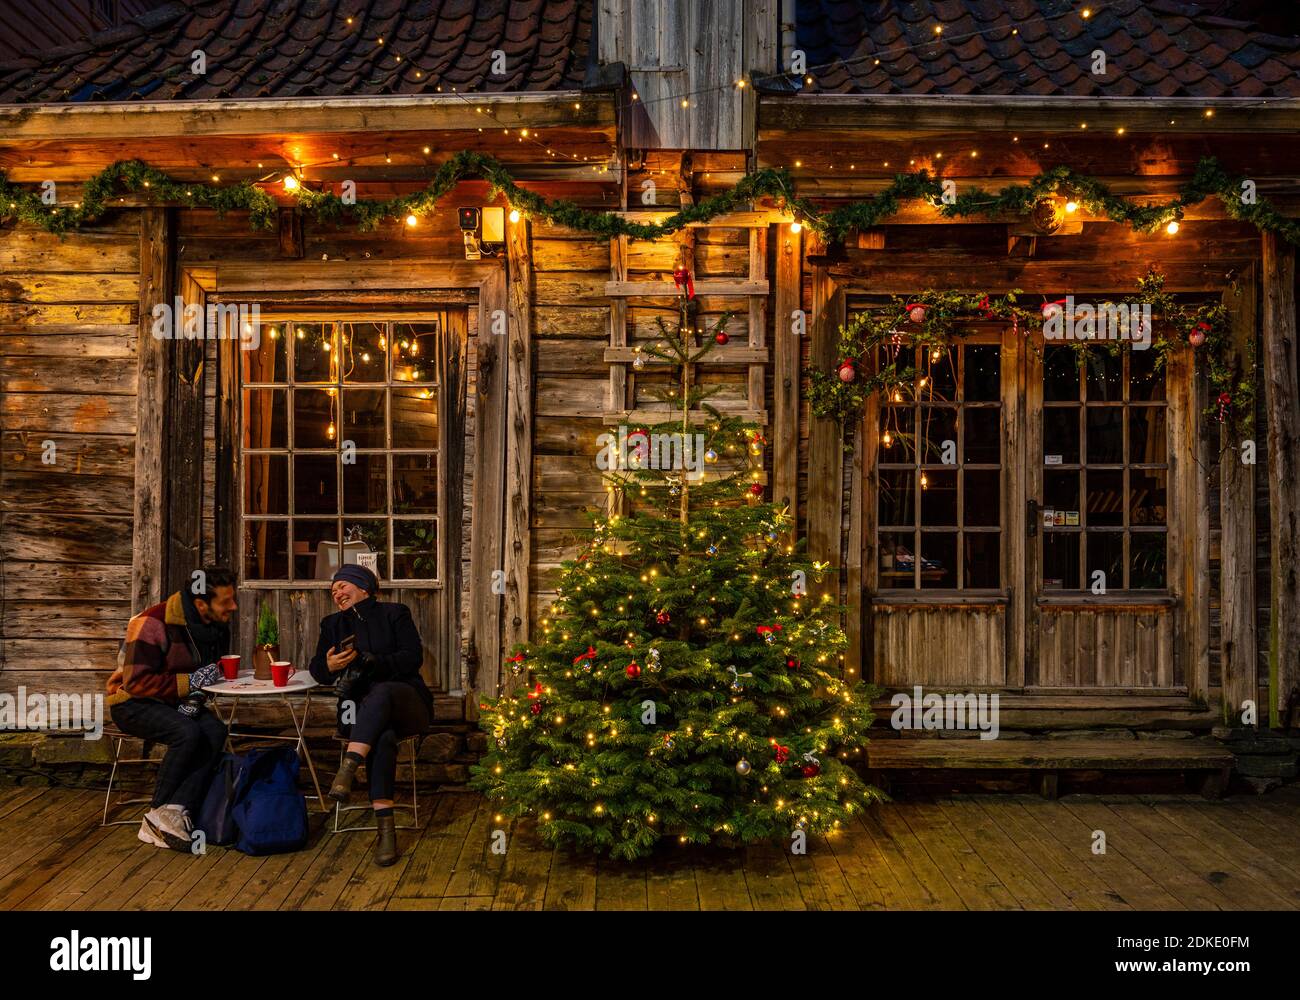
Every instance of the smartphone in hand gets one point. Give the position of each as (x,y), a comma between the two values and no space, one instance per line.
(347,644)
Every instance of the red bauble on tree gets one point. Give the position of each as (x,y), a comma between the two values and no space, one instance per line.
(916,312)
(756,489)
(721,337)
(782,753)
(663,618)
(1198,333)
(810,770)
(633,670)
(847,371)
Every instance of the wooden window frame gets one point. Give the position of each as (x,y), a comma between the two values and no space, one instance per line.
(339,385)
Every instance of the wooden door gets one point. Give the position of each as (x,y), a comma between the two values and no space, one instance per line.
(943,515)
(1102,516)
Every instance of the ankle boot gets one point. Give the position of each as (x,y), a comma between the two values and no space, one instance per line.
(386,840)
(342,787)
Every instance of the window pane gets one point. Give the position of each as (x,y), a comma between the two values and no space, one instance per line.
(415,550)
(1060,375)
(899,423)
(983,444)
(314,419)
(415,418)
(266,545)
(897,497)
(1147,560)
(982,559)
(896,562)
(938,426)
(1061,491)
(1106,553)
(982,502)
(1061,435)
(366,541)
(415,484)
(265,424)
(983,373)
(1105,497)
(940,374)
(1105,431)
(315,484)
(266,484)
(1148,496)
(313,352)
(939,498)
(315,549)
(1147,439)
(363,417)
(1105,375)
(365,484)
(1060,560)
(1144,381)
(415,352)
(939,559)
(267,362)
(364,351)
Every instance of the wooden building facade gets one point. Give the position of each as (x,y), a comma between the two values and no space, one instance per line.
(439,415)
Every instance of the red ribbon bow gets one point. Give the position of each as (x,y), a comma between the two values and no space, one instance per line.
(590,654)
(682,277)
(517,658)
(765,629)
(536,692)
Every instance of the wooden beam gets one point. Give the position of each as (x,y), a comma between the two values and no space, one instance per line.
(825,435)
(183,421)
(667,290)
(290,233)
(519,433)
(146,119)
(1003,113)
(489,488)
(1237,514)
(148,543)
(786,344)
(452,525)
(1283,394)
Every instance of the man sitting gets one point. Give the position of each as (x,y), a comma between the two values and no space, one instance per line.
(171,650)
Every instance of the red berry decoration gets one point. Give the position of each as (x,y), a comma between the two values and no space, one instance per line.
(721,337)
(633,670)
(792,663)
(662,618)
(810,770)
(847,372)
(782,753)
(536,708)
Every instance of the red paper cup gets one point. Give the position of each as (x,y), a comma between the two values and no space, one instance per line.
(230,666)
(281,671)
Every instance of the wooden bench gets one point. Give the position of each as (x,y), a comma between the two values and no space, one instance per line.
(1051,757)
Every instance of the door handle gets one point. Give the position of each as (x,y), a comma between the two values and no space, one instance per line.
(1032,514)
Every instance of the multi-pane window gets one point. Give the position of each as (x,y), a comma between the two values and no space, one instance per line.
(1105,469)
(340,447)
(939,503)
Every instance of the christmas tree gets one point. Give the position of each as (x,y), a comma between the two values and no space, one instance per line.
(688,680)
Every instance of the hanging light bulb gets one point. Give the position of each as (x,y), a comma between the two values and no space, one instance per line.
(925,481)
(934,354)
(290,182)
(301,333)
(514,215)
(887,440)
(1172,227)
(329,431)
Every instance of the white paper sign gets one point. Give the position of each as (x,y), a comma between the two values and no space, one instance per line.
(370,560)
(1051,459)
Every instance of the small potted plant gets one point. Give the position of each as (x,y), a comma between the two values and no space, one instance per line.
(268,643)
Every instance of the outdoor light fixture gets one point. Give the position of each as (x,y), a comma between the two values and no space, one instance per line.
(483,229)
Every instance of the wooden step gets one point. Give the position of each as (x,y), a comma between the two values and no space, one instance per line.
(1053,756)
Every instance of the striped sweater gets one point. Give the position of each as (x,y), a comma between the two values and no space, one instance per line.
(158,657)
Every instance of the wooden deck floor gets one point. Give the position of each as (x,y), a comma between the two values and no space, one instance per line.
(963,852)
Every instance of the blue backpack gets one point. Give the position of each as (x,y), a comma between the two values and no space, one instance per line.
(254,803)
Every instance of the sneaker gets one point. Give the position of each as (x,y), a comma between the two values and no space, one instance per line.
(148,836)
(167,823)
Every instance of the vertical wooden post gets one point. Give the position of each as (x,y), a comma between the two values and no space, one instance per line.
(148,544)
(785,374)
(1188,566)
(452,525)
(825,436)
(489,487)
(519,432)
(1279,350)
(183,442)
(1237,514)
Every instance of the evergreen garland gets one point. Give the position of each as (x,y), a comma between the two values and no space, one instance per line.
(776,183)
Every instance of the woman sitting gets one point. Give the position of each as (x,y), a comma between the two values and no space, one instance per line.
(373,651)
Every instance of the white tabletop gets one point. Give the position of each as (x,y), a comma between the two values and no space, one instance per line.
(247,686)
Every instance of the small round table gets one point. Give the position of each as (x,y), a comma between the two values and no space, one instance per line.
(300,686)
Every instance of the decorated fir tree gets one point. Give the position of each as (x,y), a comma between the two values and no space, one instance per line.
(688,680)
